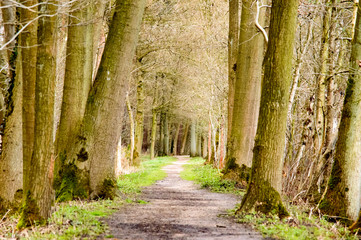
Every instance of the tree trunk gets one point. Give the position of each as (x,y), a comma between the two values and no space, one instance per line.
(11,164)
(175,144)
(343,194)
(193,139)
(232,55)
(38,193)
(77,83)
(132,130)
(139,117)
(28,42)
(153,134)
(266,176)
(166,135)
(247,89)
(101,128)
(184,139)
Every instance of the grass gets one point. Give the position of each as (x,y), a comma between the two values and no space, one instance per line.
(82,219)
(208,177)
(299,226)
(149,173)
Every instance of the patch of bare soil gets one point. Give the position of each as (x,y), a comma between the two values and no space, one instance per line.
(179,209)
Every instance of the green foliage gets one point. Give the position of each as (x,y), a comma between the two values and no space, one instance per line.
(150,173)
(29,213)
(298,226)
(77,220)
(208,177)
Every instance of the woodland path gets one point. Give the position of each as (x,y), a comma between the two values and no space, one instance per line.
(178,209)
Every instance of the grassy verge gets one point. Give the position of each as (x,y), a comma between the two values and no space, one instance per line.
(82,219)
(299,226)
(208,177)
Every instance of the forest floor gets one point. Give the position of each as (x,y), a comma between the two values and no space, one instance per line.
(178,209)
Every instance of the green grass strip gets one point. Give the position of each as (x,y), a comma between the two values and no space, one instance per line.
(208,177)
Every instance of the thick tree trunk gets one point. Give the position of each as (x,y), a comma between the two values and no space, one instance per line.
(232,56)
(266,176)
(28,42)
(247,89)
(11,164)
(101,127)
(153,133)
(344,193)
(77,83)
(38,193)
(193,139)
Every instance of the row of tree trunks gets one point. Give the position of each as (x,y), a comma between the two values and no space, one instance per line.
(266,176)
(247,89)
(342,197)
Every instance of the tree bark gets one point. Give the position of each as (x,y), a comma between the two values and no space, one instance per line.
(175,144)
(101,127)
(77,83)
(263,192)
(193,139)
(153,133)
(232,56)
(247,89)
(184,139)
(343,195)
(38,193)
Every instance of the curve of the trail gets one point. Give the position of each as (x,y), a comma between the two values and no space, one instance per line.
(179,209)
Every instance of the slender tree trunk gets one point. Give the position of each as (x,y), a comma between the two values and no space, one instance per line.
(139,117)
(153,133)
(343,195)
(209,142)
(184,139)
(161,135)
(38,193)
(232,55)
(175,144)
(204,146)
(266,176)
(193,139)
(166,135)
(132,130)
(247,89)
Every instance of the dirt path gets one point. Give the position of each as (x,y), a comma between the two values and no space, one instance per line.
(178,209)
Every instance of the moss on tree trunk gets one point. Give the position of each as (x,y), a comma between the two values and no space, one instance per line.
(266,175)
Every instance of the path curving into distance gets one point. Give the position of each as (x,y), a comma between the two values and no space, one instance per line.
(178,209)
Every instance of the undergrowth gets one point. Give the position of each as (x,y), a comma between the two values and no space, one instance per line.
(299,225)
(82,219)
(208,177)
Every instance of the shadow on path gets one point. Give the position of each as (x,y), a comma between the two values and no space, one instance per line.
(179,209)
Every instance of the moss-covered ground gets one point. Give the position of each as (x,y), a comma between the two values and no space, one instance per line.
(82,219)
(302,223)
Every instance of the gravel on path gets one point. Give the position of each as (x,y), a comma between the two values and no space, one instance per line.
(179,209)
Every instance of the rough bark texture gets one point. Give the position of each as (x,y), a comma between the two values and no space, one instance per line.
(28,42)
(139,116)
(232,55)
(266,176)
(344,187)
(11,164)
(38,193)
(77,83)
(101,128)
(247,90)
